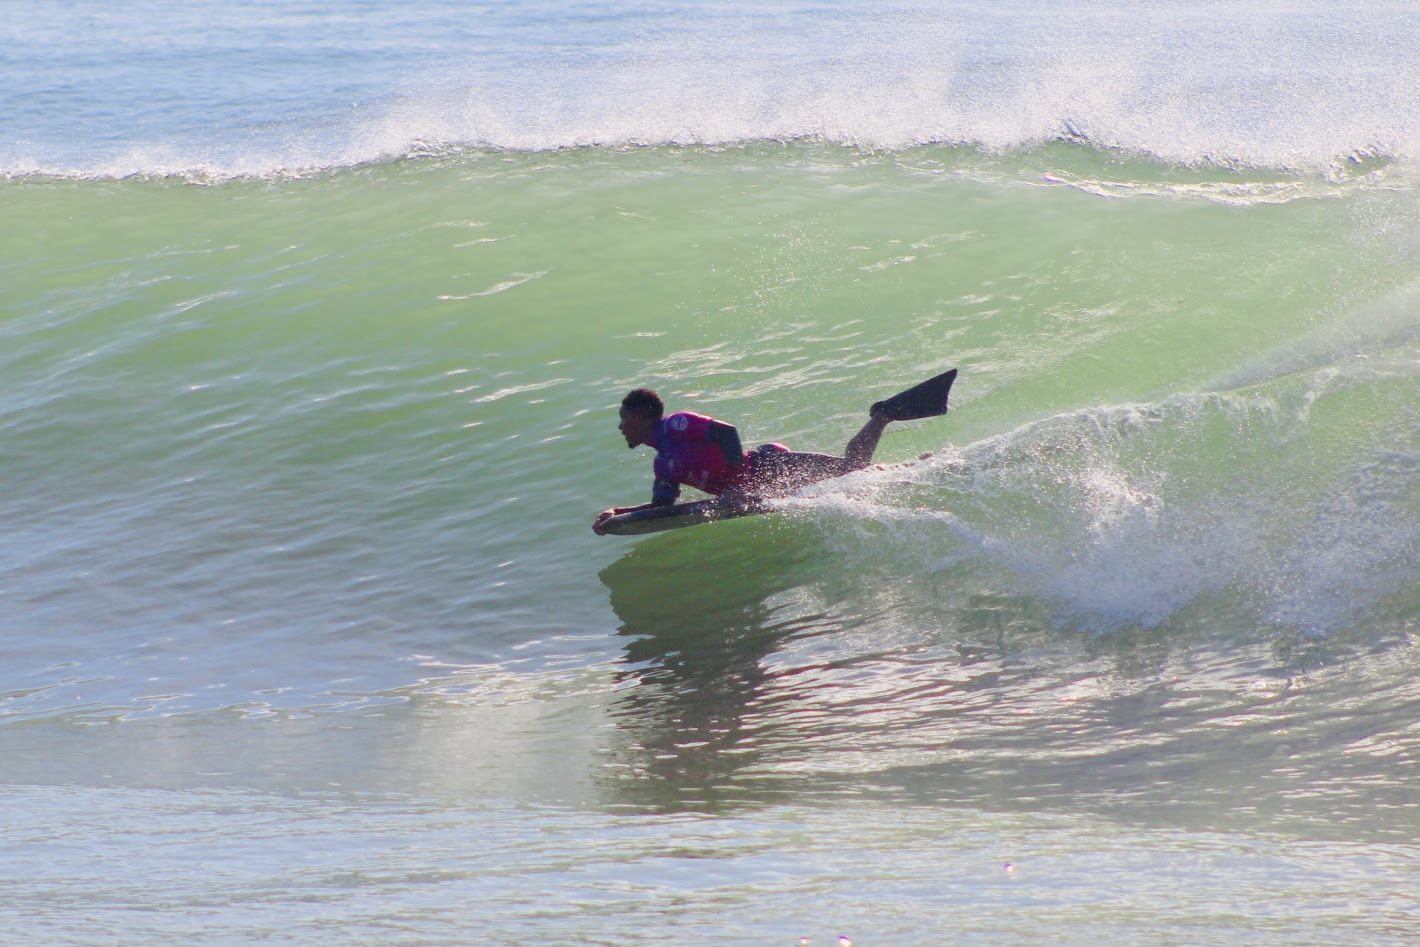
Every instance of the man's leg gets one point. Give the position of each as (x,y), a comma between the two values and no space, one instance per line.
(780,471)
(859,451)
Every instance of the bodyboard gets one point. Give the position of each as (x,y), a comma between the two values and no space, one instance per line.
(677,515)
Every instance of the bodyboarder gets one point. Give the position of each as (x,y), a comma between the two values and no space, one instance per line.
(703,452)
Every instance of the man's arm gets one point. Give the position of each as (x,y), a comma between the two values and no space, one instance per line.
(727,438)
(664,493)
(605,515)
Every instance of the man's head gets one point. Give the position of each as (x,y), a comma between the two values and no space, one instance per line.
(640,410)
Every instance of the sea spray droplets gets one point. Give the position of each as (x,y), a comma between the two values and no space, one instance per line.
(1361,542)
(1125,515)
(860,78)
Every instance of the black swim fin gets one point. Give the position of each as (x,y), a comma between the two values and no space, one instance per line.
(926,400)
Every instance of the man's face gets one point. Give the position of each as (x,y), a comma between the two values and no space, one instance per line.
(636,428)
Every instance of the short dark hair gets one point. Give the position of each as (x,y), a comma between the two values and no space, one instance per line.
(645,402)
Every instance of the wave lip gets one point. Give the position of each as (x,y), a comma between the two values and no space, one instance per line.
(1217,85)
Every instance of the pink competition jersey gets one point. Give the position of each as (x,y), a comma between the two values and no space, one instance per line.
(685,454)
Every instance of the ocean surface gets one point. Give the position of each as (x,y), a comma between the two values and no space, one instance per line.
(314,320)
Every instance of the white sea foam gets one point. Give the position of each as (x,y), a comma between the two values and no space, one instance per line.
(1221,84)
(1126,515)
(1285,84)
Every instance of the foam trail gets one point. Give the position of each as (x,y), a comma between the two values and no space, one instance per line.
(1127,515)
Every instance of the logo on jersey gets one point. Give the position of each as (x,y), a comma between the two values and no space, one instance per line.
(680,422)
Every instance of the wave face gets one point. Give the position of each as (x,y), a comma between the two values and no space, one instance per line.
(1181,389)
(310,356)
(164,87)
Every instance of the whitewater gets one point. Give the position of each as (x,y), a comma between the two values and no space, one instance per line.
(314,320)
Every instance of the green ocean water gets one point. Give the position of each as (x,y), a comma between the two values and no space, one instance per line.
(300,471)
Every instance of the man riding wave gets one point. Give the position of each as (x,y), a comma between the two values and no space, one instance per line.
(703,452)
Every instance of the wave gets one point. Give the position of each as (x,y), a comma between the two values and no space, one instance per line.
(1063,161)
(1296,88)
(1224,88)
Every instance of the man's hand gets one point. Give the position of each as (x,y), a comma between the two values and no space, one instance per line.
(602,517)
